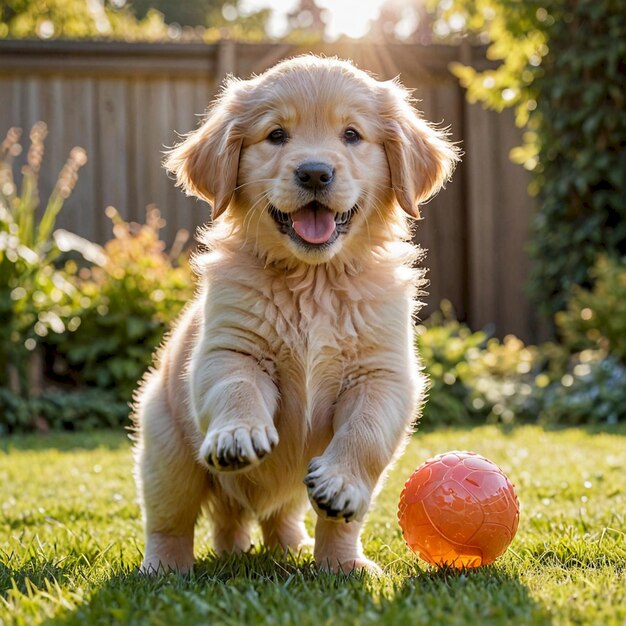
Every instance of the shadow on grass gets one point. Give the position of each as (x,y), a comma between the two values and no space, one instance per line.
(487,595)
(262,588)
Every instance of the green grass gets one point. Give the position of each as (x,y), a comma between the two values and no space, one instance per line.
(70,542)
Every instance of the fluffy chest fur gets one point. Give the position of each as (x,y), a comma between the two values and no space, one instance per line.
(313,329)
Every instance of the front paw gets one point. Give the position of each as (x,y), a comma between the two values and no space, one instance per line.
(335,495)
(234,448)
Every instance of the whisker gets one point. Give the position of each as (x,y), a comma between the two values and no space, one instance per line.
(380,186)
(256,235)
(376,204)
(367,225)
(252,182)
(379,208)
(263,196)
(251,210)
(255,208)
(372,183)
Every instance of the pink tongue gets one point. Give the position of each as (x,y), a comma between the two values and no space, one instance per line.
(314,226)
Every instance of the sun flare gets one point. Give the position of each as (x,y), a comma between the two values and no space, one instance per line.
(348,18)
(342,17)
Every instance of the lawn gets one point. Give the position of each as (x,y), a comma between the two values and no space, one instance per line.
(70,543)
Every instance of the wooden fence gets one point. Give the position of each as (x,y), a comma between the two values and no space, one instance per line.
(124,102)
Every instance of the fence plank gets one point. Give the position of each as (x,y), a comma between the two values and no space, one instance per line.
(183,121)
(444,219)
(514,314)
(111,158)
(481,167)
(77,111)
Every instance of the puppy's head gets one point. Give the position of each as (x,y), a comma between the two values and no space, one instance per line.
(313,158)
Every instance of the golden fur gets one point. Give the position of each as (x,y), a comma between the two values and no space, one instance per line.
(295,363)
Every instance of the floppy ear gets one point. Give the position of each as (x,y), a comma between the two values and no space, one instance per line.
(420,157)
(206,163)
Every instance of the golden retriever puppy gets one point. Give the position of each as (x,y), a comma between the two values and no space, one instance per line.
(292,377)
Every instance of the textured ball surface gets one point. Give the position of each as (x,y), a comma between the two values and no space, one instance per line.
(458,509)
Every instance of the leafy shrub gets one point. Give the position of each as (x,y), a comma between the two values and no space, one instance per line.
(591,391)
(126,304)
(60,410)
(94,322)
(76,19)
(35,298)
(472,377)
(140,20)
(447,349)
(596,317)
(563,66)
(501,377)
(581,130)
(477,379)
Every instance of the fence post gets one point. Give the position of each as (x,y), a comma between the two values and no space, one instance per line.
(226,61)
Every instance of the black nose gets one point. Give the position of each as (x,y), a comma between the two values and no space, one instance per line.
(314,175)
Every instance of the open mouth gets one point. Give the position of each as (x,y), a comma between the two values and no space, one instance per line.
(314,224)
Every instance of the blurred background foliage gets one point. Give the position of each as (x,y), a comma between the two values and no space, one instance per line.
(411,21)
(139,20)
(561,64)
(77,19)
(127,303)
(75,316)
(34,294)
(80,318)
(475,378)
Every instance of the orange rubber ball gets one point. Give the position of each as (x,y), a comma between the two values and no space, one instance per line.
(458,509)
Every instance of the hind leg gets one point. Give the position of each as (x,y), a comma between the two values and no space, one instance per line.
(171,483)
(231,525)
(285,528)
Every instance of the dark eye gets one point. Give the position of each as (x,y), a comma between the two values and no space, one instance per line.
(351,136)
(277,137)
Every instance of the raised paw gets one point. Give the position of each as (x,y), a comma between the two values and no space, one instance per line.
(334,495)
(238,447)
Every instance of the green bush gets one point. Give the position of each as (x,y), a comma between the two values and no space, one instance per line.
(35,298)
(140,20)
(38,299)
(502,376)
(596,317)
(591,391)
(76,19)
(472,377)
(56,409)
(581,129)
(72,314)
(562,66)
(447,349)
(477,379)
(126,304)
